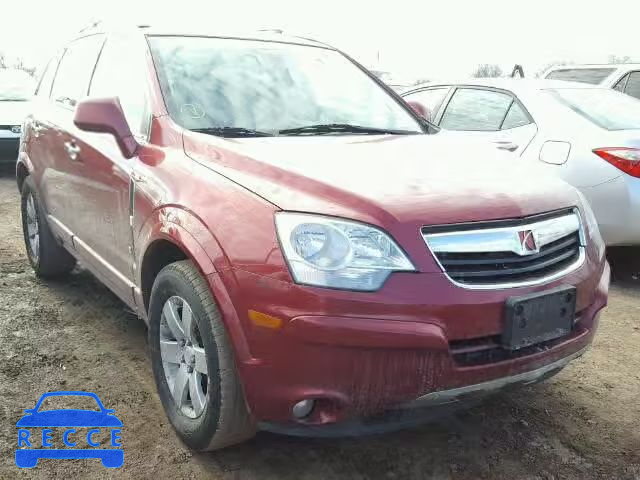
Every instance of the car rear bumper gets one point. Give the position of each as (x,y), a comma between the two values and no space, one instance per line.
(355,364)
(616,204)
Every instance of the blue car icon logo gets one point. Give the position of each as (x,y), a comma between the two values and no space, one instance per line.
(36,437)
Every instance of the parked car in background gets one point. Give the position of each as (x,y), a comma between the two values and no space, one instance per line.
(624,77)
(16,89)
(306,250)
(588,136)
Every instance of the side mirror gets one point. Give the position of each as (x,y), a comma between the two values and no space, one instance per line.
(420,109)
(105,115)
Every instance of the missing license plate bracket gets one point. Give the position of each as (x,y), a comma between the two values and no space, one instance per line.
(538,317)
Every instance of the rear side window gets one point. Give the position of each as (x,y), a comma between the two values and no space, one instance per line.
(109,80)
(621,84)
(593,76)
(605,108)
(46,80)
(431,98)
(75,70)
(477,110)
(516,117)
(633,85)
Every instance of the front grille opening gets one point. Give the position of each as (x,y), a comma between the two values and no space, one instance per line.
(487,350)
(507,267)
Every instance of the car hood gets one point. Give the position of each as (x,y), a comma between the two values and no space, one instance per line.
(13,113)
(425,179)
(69,418)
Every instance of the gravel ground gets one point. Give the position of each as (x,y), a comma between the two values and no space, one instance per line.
(76,335)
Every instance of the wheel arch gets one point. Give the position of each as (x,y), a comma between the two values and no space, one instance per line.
(23,170)
(173,234)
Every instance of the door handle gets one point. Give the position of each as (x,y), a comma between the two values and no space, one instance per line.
(72,150)
(508,146)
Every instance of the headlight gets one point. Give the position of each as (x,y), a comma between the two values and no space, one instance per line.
(328,252)
(590,219)
(16,129)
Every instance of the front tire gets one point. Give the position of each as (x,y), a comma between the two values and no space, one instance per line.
(193,363)
(48,258)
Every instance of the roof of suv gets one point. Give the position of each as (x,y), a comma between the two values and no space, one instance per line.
(178,29)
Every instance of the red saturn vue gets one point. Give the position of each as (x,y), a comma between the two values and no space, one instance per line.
(311,257)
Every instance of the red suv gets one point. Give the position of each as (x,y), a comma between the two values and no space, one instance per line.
(310,256)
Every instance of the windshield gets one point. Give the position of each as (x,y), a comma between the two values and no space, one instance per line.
(605,108)
(16,86)
(215,83)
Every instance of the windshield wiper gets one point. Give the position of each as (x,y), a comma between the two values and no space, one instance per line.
(232,132)
(328,128)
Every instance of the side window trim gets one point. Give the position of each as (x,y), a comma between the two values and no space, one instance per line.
(56,58)
(506,114)
(514,99)
(431,88)
(445,103)
(142,132)
(626,83)
(624,80)
(66,105)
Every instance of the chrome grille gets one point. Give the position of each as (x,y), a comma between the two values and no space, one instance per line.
(509,253)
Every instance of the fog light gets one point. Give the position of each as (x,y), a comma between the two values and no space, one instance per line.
(303,408)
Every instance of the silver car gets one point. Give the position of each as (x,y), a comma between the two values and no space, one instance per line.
(586,135)
(623,77)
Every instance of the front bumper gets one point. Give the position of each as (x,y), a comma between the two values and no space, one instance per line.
(358,355)
(9,147)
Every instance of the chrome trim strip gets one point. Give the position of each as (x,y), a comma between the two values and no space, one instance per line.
(504,239)
(497,243)
(456,394)
(83,247)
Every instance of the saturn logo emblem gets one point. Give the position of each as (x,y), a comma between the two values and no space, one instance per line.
(528,245)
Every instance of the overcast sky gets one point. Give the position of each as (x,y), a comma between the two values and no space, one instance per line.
(412,38)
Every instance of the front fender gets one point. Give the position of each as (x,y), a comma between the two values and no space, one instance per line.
(187,232)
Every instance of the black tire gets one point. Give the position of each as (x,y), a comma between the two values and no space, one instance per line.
(225,419)
(51,259)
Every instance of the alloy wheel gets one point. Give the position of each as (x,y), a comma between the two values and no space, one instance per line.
(183,357)
(33,230)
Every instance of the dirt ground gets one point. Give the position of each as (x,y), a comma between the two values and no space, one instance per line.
(75,335)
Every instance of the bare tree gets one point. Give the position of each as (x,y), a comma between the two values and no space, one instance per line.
(3,63)
(487,70)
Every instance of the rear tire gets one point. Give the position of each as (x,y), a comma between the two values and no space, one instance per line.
(48,258)
(194,368)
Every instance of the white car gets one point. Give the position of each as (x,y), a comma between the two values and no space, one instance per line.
(587,135)
(623,77)
(16,90)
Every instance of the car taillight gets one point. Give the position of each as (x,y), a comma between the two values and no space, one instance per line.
(624,158)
